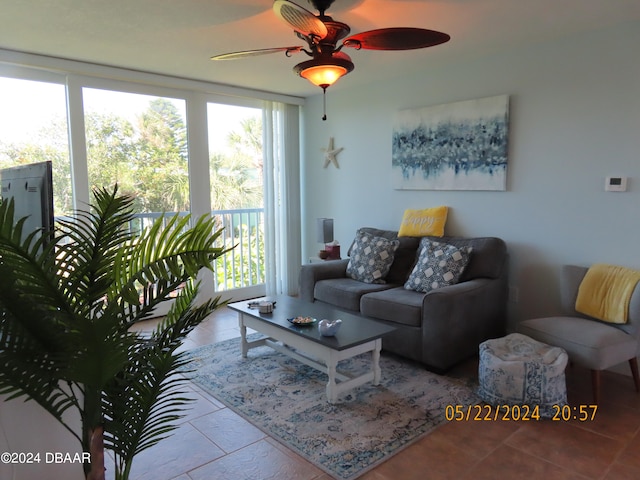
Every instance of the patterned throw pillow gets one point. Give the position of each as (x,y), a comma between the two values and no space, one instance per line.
(371,258)
(438,265)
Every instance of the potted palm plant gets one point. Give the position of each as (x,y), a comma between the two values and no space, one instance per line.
(67,305)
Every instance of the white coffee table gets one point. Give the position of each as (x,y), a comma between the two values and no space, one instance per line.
(357,335)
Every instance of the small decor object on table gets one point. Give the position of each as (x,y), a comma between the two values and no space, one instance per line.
(265,307)
(333,250)
(329,328)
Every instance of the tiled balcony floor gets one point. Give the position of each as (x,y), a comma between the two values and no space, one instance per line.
(215,443)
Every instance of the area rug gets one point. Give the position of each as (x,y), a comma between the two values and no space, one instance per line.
(286,399)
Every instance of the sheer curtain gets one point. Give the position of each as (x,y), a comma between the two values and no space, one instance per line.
(281,163)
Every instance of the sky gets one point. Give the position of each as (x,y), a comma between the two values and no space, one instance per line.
(26,107)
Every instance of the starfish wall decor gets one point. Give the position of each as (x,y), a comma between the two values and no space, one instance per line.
(330,154)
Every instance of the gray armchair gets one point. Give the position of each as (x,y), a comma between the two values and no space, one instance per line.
(589,342)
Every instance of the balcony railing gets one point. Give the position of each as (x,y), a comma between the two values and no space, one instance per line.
(244,265)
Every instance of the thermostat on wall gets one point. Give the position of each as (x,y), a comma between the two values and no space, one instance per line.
(616,184)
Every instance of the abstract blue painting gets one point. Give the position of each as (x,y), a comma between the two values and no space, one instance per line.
(456,146)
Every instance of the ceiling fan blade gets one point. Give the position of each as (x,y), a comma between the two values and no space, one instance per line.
(400,38)
(301,19)
(255,53)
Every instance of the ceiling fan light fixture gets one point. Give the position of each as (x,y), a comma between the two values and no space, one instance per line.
(323,75)
(324,72)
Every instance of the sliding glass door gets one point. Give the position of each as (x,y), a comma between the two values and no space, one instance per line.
(236,186)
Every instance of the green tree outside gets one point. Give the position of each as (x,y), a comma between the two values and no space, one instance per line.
(56,149)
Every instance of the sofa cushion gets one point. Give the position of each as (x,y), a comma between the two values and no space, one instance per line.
(371,257)
(395,305)
(439,265)
(420,223)
(345,292)
(405,255)
(487,256)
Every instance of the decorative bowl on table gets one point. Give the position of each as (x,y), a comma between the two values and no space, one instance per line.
(302,321)
(329,328)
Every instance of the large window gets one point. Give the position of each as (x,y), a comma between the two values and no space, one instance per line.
(33,128)
(140,143)
(173,145)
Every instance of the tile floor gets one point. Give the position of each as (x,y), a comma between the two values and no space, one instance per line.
(215,443)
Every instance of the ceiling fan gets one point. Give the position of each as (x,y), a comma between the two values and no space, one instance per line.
(322,34)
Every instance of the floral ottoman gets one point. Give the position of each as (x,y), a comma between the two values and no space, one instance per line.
(518,370)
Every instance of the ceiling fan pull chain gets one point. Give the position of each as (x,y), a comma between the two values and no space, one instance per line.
(324,103)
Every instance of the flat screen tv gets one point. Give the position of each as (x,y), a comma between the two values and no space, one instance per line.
(31,187)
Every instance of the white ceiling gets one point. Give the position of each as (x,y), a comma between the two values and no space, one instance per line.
(177,37)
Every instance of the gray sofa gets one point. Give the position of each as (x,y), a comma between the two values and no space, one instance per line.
(438,329)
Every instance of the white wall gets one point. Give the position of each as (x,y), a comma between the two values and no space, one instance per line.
(26,428)
(574,119)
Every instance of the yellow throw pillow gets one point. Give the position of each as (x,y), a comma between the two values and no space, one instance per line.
(420,223)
